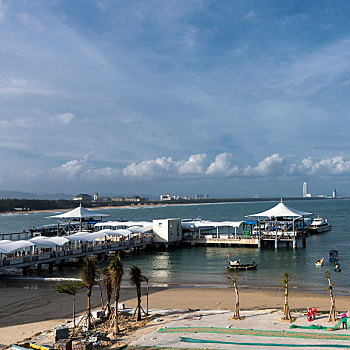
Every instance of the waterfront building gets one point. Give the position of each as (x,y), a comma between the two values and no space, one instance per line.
(167,230)
(334,193)
(83,197)
(95,196)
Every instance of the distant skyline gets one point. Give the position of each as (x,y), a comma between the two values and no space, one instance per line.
(245,98)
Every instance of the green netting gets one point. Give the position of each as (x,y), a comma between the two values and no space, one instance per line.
(254,332)
(305,346)
(336,326)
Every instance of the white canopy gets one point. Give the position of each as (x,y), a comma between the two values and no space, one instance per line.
(42,240)
(9,247)
(281,210)
(85,236)
(207,223)
(80,213)
(120,232)
(140,229)
(124,223)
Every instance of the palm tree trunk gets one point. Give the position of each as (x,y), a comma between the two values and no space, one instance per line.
(116,300)
(74,313)
(138,291)
(88,320)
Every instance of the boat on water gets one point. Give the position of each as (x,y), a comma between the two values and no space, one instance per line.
(319,225)
(333,255)
(236,265)
(337,267)
(319,262)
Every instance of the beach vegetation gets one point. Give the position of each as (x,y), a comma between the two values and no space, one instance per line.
(89,276)
(70,288)
(136,278)
(116,270)
(286,310)
(332,313)
(107,285)
(236,314)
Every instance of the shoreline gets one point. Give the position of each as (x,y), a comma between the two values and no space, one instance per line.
(24,312)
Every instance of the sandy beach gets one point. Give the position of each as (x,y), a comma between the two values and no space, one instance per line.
(24,312)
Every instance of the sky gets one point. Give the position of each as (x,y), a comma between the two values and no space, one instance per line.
(230,98)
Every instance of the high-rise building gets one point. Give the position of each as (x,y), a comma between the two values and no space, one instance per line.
(96,196)
(305,190)
(334,193)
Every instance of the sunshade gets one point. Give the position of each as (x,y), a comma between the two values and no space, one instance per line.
(281,210)
(9,247)
(50,241)
(79,212)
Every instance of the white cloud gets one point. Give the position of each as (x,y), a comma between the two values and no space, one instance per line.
(272,165)
(222,166)
(194,165)
(65,118)
(84,169)
(335,166)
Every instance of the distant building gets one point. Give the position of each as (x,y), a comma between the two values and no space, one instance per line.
(136,199)
(334,193)
(167,230)
(165,197)
(305,192)
(118,199)
(83,197)
(95,196)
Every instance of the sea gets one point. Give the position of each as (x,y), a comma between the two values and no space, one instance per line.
(206,266)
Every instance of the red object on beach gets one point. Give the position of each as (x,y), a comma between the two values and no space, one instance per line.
(311,313)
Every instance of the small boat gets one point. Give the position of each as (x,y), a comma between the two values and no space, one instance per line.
(236,265)
(337,267)
(319,225)
(319,262)
(333,255)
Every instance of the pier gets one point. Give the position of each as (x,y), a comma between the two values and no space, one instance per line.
(64,255)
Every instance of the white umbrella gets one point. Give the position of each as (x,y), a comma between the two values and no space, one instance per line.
(120,232)
(42,240)
(9,247)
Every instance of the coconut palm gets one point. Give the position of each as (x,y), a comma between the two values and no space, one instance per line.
(116,271)
(70,288)
(136,278)
(286,311)
(332,313)
(107,284)
(89,276)
(236,315)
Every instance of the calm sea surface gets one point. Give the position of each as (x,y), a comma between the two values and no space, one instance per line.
(205,266)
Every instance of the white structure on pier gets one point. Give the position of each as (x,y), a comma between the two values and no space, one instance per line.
(167,230)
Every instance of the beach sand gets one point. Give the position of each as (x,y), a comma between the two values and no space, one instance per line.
(24,312)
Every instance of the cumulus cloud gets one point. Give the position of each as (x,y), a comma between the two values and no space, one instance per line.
(272,165)
(326,166)
(84,169)
(194,165)
(65,118)
(152,167)
(222,166)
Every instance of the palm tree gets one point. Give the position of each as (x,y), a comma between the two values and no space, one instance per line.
(89,276)
(136,278)
(107,284)
(286,311)
(236,315)
(70,288)
(116,271)
(332,312)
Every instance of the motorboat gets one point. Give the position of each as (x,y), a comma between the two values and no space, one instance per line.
(333,255)
(319,225)
(319,262)
(337,267)
(236,265)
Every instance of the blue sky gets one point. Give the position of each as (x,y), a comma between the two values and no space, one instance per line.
(236,98)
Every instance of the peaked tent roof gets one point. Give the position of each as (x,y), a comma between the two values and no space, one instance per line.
(281,210)
(79,212)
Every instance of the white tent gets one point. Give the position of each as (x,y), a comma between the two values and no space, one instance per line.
(281,210)
(208,224)
(50,241)
(9,247)
(120,232)
(85,236)
(124,223)
(140,229)
(79,213)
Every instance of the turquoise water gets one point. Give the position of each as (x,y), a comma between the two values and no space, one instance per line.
(203,266)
